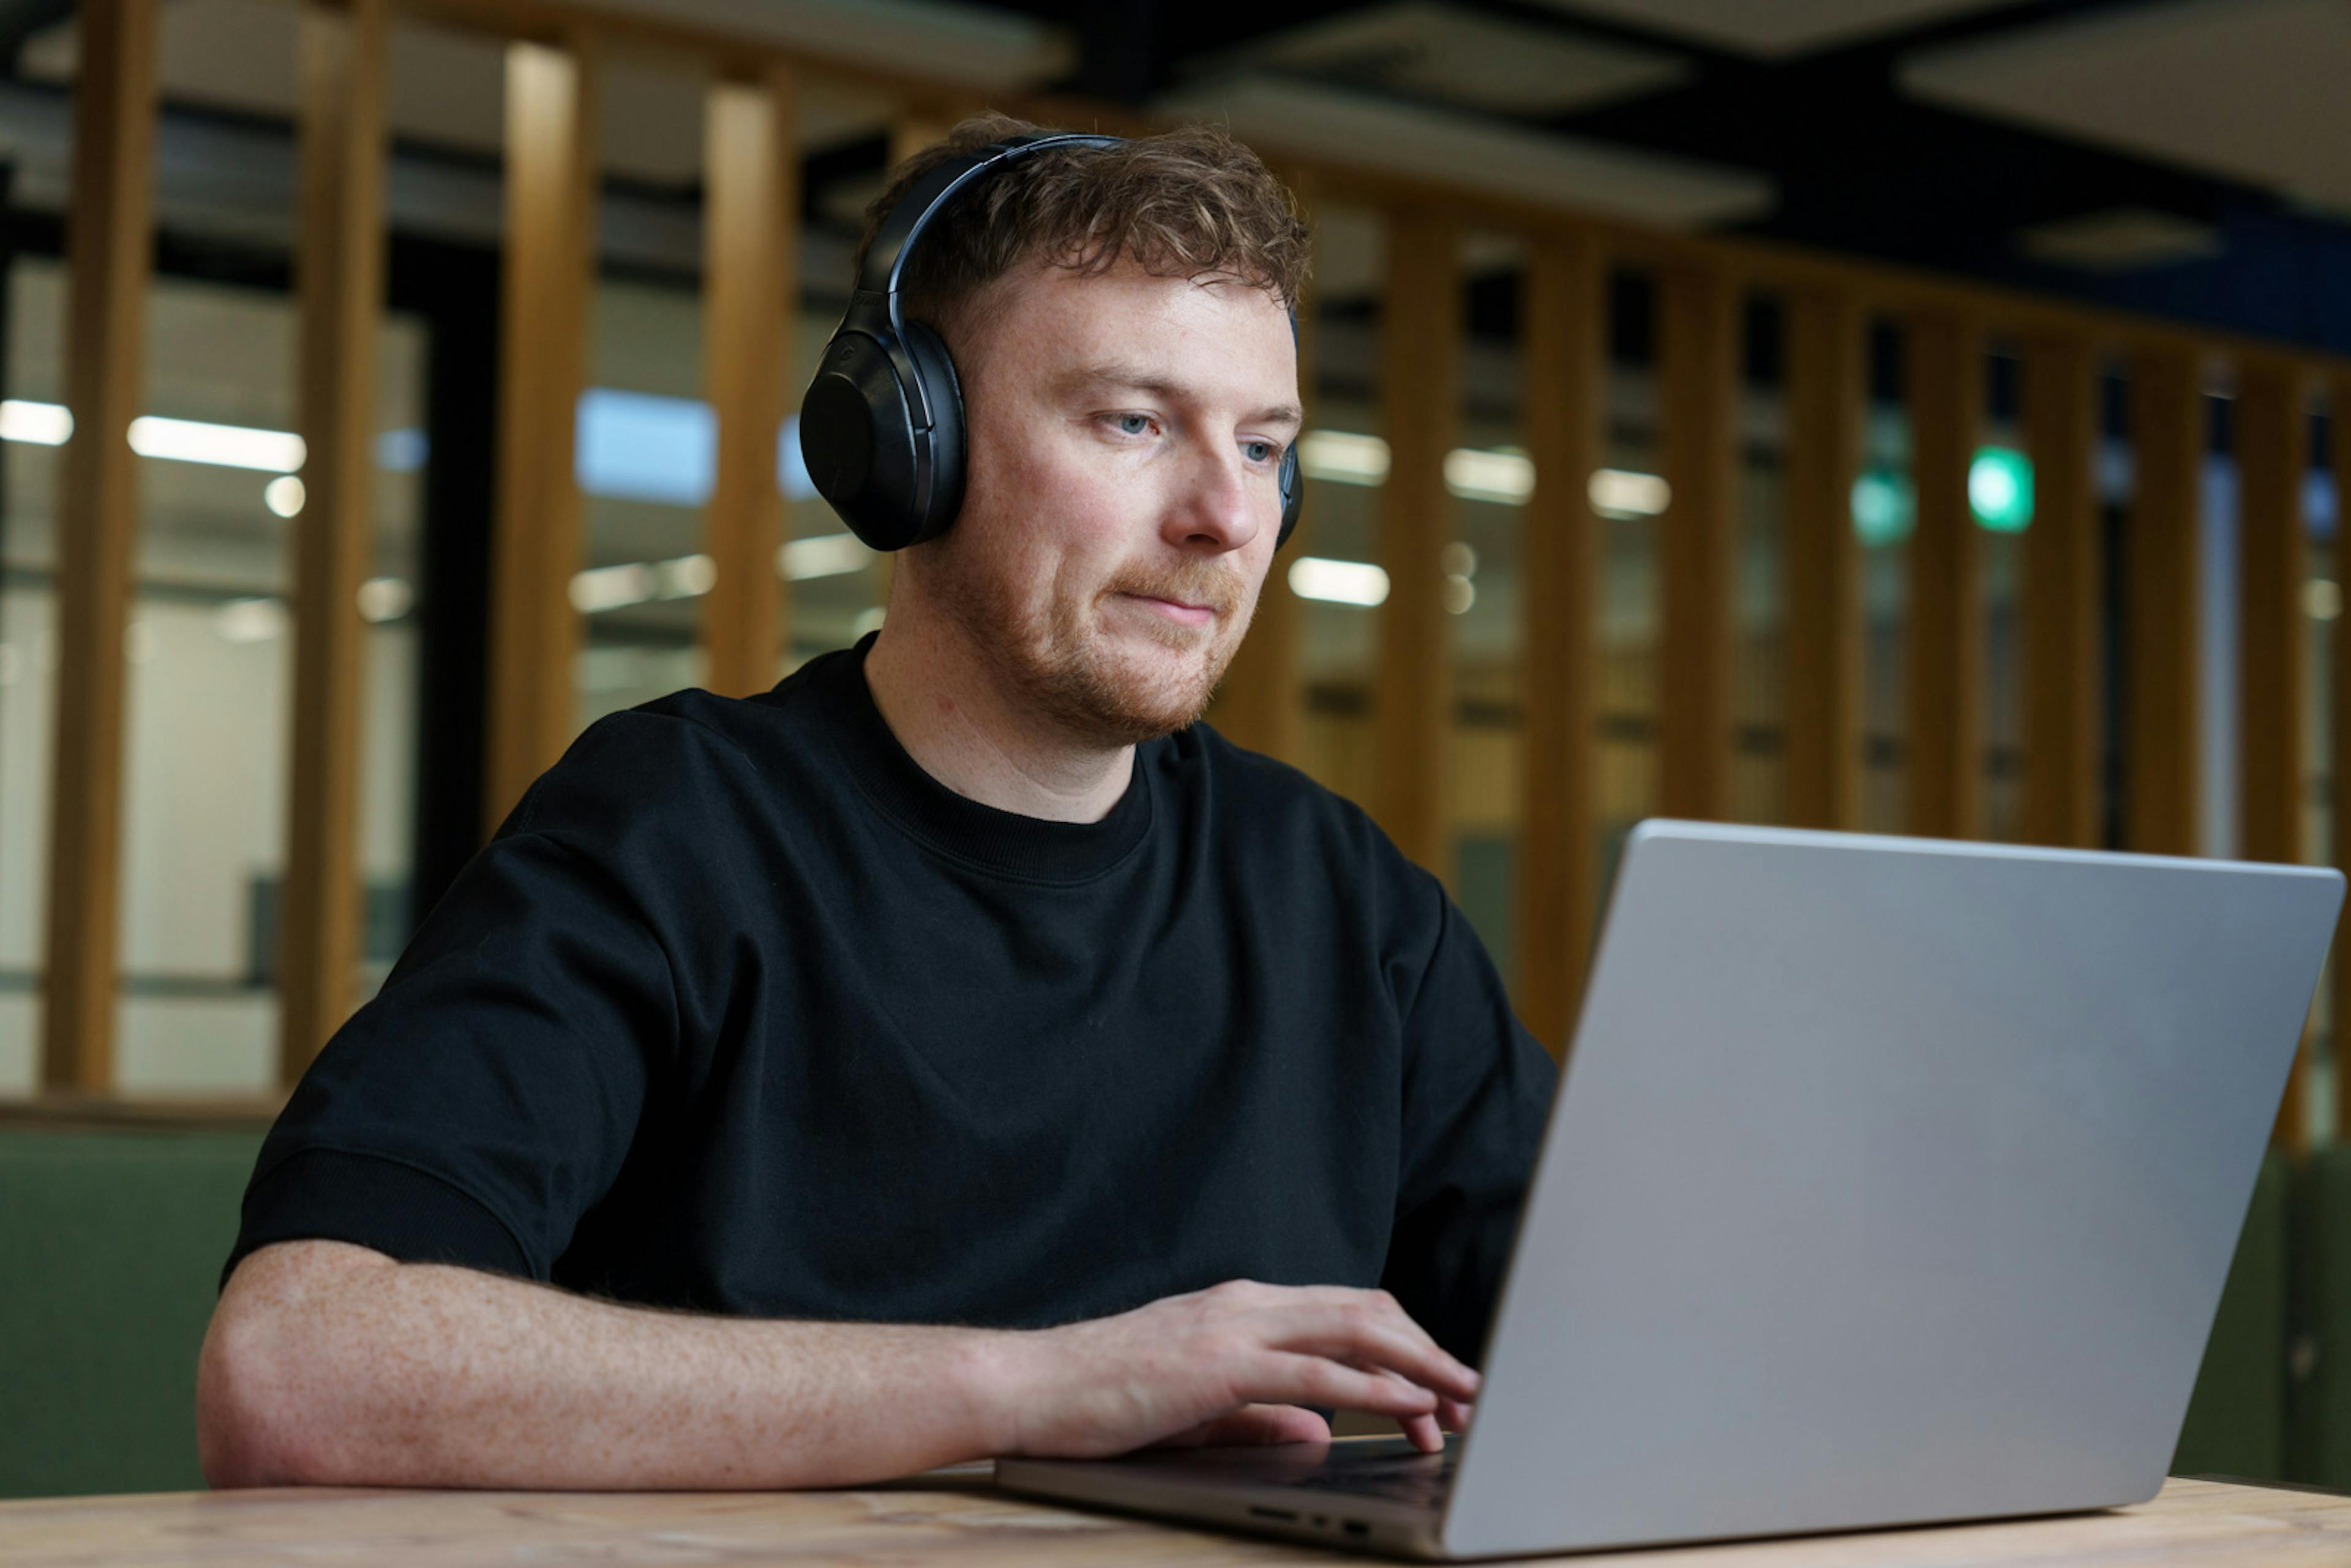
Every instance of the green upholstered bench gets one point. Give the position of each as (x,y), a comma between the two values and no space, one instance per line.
(2236,1422)
(110,1248)
(2326,1258)
(111,1243)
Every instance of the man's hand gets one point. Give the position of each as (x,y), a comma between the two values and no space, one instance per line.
(1229,1365)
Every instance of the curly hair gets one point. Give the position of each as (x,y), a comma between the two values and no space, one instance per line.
(1191,202)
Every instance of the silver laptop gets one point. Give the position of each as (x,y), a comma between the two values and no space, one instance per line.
(1890,1181)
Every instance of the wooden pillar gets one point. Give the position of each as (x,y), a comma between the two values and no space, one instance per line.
(2272,449)
(2063,710)
(542,357)
(108,240)
(751,284)
(1420,331)
(1947,654)
(339,279)
(2165,721)
(1565,351)
(2338,400)
(1827,390)
(1698,416)
(1260,705)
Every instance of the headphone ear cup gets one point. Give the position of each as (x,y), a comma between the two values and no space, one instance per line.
(1293,495)
(859,443)
(943,390)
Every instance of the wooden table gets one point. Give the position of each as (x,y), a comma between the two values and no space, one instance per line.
(958,1517)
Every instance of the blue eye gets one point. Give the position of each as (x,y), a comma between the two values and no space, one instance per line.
(1259,450)
(1134,425)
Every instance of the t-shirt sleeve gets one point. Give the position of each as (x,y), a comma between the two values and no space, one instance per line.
(1477,1091)
(484,1101)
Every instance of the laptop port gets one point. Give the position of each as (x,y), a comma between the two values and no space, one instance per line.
(1273,1513)
(1355,1527)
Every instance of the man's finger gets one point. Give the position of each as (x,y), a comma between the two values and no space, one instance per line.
(1292,1378)
(1342,1336)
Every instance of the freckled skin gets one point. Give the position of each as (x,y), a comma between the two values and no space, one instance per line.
(1103,571)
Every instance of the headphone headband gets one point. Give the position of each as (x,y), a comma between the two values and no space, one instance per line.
(885,258)
(881,424)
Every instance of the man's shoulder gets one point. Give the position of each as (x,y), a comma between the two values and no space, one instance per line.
(1264,798)
(683,754)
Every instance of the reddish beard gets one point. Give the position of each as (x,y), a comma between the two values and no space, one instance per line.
(1054,656)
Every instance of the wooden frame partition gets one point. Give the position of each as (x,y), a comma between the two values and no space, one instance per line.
(1259,704)
(2338,408)
(1698,322)
(2273,452)
(751,279)
(1565,352)
(1948,670)
(109,241)
(1420,389)
(551,71)
(2061,593)
(542,357)
(2160,792)
(1827,390)
(339,278)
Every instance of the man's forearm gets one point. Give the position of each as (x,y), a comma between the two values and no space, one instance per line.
(332,1364)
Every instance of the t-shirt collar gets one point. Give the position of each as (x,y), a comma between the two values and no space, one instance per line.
(1005,842)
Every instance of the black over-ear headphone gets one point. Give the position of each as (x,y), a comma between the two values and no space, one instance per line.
(881,425)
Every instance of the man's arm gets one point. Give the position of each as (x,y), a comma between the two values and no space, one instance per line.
(329,1364)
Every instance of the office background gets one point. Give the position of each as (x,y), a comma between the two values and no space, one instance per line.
(1911,415)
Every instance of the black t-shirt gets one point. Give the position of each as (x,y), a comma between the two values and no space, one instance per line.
(743,1011)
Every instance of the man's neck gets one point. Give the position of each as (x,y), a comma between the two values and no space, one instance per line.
(935,693)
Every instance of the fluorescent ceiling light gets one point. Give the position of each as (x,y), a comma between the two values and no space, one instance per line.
(688,577)
(1338,581)
(386,598)
(37,423)
(250,620)
(2120,239)
(1342,457)
(602,588)
(1622,493)
(1508,477)
(824,555)
(229,446)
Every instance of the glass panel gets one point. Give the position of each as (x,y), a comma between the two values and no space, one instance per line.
(1630,610)
(1759,757)
(645,446)
(2321,610)
(1886,508)
(1343,459)
(29,473)
(388,676)
(210,687)
(1490,479)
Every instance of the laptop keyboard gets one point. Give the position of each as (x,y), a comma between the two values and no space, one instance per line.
(1420,1480)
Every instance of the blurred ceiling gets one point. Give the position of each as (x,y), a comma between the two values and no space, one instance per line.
(2187,157)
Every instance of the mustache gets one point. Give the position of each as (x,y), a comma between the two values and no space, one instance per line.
(1212,586)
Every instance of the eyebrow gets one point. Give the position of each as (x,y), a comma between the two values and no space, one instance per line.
(1117,373)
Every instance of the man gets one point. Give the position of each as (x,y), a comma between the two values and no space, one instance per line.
(956,1051)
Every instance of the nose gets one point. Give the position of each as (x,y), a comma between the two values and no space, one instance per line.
(1218,508)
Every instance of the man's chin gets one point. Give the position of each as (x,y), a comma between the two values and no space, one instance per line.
(1138,694)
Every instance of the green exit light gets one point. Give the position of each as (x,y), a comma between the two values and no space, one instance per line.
(2000,489)
(1885,506)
